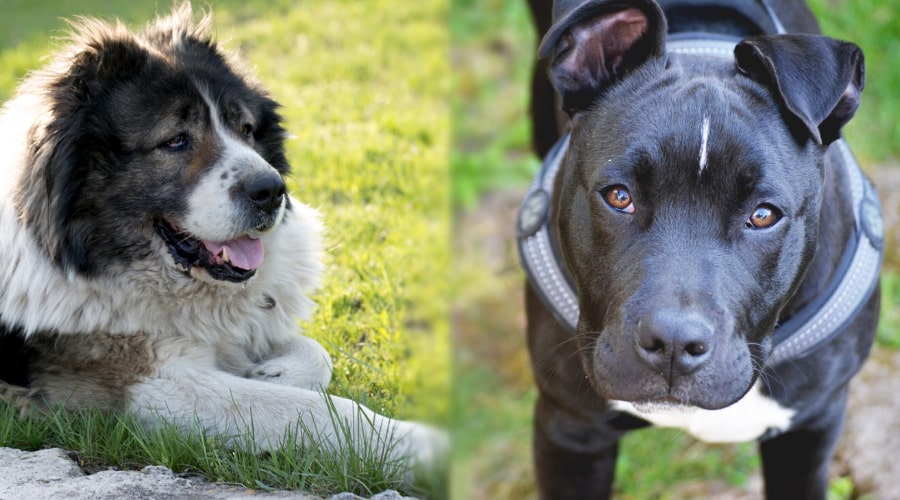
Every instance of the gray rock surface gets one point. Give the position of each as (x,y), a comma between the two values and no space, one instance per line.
(868,448)
(52,473)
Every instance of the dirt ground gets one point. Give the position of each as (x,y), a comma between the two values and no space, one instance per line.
(868,451)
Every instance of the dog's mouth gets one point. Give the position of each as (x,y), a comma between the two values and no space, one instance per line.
(234,260)
(666,405)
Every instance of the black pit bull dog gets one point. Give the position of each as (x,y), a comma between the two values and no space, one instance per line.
(702,249)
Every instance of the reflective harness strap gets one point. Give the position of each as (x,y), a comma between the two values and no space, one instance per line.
(536,250)
(849,290)
(852,283)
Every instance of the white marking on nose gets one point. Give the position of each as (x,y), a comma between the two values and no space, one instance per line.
(704,142)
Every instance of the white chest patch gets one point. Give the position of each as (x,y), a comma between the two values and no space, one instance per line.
(745,420)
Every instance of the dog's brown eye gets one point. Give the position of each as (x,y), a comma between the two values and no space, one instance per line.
(619,198)
(247,130)
(176,143)
(763,216)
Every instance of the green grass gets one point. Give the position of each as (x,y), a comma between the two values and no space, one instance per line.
(889,323)
(874,25)
(493,50)
(100,440)
(364,88)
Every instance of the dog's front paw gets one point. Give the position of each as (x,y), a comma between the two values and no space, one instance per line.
(21,398)
(305,365)
(268,371)
(286,371)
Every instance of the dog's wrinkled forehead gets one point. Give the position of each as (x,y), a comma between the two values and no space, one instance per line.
(694,120)
(693,139)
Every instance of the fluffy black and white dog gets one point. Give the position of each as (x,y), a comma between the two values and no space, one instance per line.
(150,257)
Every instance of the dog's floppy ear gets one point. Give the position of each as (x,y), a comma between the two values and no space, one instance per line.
(820,79)
(65,147)
(595,43)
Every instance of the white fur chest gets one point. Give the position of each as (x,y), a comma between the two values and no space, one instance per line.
(746,420)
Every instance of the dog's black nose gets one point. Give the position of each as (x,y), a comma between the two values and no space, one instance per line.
(674,343)
(265,192)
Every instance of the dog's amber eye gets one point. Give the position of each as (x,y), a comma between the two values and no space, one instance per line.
(619,198)
(176,143)
(763,216)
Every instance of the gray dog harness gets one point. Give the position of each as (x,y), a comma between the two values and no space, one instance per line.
(849,289)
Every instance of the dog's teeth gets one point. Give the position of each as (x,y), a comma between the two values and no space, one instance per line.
(224,255)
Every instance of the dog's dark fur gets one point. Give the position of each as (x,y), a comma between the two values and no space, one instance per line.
(680,292)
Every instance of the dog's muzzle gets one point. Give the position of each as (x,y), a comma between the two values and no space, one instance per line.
(234,260)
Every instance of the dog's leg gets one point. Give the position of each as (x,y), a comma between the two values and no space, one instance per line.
(235,407)
(795,464)
(574,457)
(20,397)
(303,363)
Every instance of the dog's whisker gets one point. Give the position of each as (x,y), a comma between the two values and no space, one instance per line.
(553,350)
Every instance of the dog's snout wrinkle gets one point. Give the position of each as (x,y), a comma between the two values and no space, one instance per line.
(673,343)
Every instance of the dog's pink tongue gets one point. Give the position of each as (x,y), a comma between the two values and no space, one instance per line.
(244,252)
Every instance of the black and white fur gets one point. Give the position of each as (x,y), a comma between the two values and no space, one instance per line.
(132,164)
